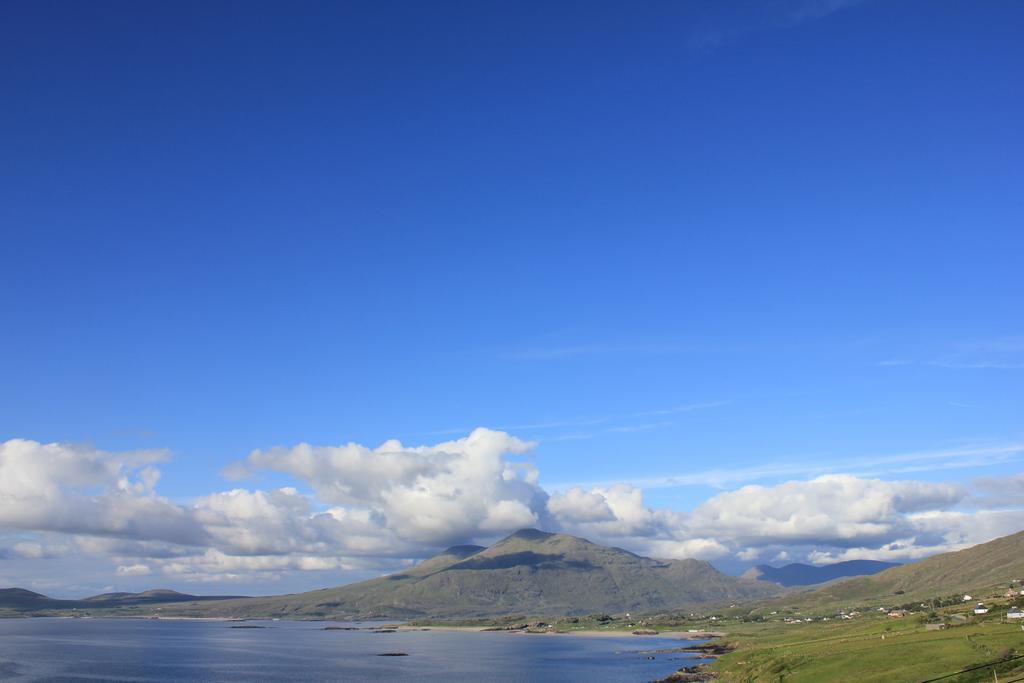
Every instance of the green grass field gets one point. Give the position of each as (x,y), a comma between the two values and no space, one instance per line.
(871,648)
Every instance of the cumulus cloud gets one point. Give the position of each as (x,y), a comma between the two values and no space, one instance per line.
(133,570)
(79,490)
(825,517)
(426,494)
(934,532)
(838,510)
(389,502)
(578,506)
(700,548)
(380,508)
(618,515)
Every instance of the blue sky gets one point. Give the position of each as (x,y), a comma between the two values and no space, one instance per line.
(731,243)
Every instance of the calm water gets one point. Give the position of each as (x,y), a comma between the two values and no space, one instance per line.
(144,650)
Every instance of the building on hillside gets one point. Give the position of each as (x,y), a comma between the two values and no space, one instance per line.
(934,627)
(1015,613)
(967,598)
(897,613)
(980,608)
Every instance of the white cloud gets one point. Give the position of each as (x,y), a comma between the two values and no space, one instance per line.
(699,548)
(377,508)
(628,514)
(829,516)
(749,554)
(577,506)
(425,494)
(618,515)
(78,490)
(29,549)
(837,510)
(133,570)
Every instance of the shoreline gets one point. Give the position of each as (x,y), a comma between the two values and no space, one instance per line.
(408,628)
(590,633)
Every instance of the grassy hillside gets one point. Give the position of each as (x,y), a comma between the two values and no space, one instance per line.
(976,570)
(873,647)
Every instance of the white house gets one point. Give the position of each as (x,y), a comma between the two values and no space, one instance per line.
(1015,613)
(967,598)
(981,609)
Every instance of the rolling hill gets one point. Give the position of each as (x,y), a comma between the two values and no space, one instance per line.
(797,574)
(21,600)
(974,570)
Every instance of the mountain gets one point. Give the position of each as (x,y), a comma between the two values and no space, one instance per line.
(456,553)
(21,600)
(975,570)
(797,574)
(536,573)
(529,572)
(150,597)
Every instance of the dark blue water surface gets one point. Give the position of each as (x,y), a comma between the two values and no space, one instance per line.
(162,650)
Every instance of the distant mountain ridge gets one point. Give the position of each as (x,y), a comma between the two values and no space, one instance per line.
(536,573)
(797,574)
(19,599)
(529,572)
(980,567)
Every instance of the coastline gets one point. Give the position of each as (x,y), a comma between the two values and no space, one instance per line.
(590,633)
(703,635)
(406,627)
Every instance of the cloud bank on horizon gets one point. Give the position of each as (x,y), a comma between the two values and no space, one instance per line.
(364,509)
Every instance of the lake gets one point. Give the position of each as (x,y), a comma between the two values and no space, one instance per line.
(51,649)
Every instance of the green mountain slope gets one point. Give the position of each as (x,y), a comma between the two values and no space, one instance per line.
(973,570)
(445,559)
